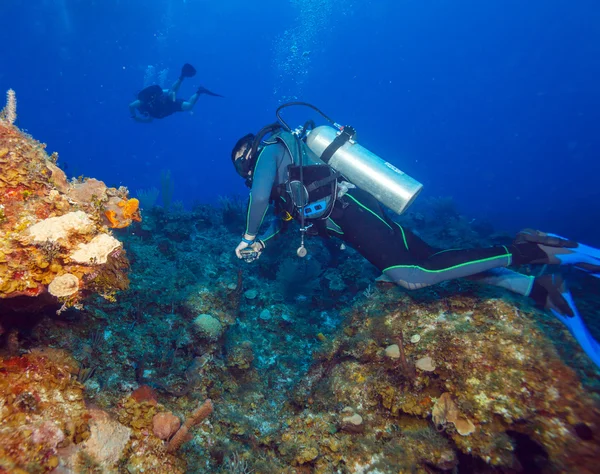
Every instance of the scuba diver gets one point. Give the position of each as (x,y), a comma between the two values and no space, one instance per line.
(312,175)
(156,102)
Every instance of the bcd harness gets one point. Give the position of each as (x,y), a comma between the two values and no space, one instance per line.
(310,188)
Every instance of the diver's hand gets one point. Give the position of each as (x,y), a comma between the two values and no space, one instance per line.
(247,241)
(258,247)
(250,252)
(241,246)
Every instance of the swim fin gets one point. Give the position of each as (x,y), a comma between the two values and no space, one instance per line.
(546,248)
(577,328)
(188,70)
(204,90)
(583,257)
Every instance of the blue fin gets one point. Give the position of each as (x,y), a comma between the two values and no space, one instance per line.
(577,327)
(583,255)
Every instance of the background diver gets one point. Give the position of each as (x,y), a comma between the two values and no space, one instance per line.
(156,102)
(358,219)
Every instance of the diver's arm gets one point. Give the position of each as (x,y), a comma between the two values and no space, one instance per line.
(262,183)
(133,107)
(274,228)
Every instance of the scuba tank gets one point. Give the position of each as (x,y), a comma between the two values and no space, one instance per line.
(367,171)
(335,146)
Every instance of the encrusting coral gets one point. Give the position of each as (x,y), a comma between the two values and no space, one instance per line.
(490,379)
(54,234)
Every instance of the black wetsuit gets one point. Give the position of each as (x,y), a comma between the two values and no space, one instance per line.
(161,107)
(358,219)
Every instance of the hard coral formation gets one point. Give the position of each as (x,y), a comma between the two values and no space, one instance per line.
(52,232)
(497,380)
(45,426)
(41,412)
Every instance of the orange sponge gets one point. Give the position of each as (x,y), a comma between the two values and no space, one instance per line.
(131,209)
(123,213)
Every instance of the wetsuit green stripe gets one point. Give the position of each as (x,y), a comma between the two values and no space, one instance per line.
(442,251)
(339,230)
(248,213)
(271,236)
(365,207)
(483,260)
(403,236)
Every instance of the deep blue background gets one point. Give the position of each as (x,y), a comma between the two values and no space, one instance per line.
(496,103)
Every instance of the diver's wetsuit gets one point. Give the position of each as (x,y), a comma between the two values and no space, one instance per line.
(161,107)
(402,256)
(359,220)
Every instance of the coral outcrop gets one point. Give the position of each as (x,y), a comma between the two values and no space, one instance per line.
(55,242)
(493,382)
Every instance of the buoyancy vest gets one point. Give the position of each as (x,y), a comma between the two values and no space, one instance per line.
(311,190)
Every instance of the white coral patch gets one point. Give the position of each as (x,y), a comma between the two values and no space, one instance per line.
(64,285)
(96,251)
(55,228)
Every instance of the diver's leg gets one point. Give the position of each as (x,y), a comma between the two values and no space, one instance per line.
(529,247)
(507,279)
(359,221)
(447,265)
(403,257)
(545,290)
(189,104)
(175,87)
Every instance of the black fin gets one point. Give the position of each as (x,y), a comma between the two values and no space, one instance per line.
(188,70)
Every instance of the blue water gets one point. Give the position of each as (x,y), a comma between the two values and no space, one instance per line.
(494,103)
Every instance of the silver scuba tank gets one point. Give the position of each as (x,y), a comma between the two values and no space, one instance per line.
(390,186)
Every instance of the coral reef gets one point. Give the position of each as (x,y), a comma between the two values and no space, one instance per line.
(55,237)
(312,367)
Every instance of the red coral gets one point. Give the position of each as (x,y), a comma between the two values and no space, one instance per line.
(144,393)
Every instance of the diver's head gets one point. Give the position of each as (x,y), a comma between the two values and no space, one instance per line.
(241,156)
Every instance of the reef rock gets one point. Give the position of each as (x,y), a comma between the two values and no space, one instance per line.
(55,240)
(497,382)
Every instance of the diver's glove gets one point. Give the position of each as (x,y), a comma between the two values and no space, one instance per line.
(533,246)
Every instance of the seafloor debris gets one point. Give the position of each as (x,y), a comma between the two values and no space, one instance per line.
(55,241)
